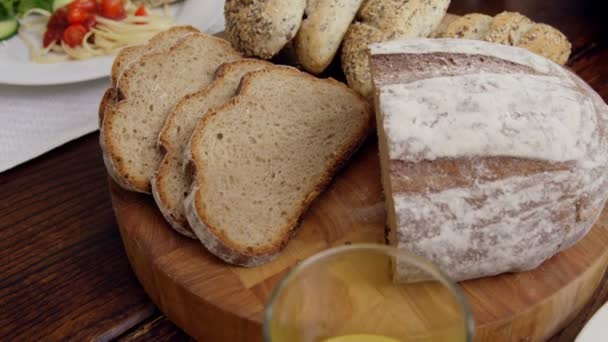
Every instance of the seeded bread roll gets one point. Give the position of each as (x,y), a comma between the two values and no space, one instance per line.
(546,41)
(148,90)
(470,26)
(261,28)
(382,20)
(507,28)
(262,158)
(170,183)
(322,31)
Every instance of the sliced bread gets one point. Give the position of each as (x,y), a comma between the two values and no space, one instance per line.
(263,157)
(148,91)
(162,41)
(169,186)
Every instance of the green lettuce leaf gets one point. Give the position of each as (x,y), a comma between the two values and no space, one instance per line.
(26,5)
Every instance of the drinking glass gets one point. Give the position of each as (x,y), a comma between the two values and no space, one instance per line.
(366,293)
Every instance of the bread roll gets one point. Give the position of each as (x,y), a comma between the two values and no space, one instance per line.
(380,20)
(322,31)
(261,28)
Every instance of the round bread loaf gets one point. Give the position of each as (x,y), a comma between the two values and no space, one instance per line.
(261,28)
(493,158)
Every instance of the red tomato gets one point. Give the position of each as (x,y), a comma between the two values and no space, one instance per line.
(90,22)
(50,36)
(74,35)
(59,20)
(89,6)
(141,11)
(77,15)
(113,9)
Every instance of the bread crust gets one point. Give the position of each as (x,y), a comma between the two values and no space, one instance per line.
(211,236)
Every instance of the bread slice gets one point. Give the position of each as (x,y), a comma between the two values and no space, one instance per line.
(262,158)
(162,41)
(322,31)
(169,186)
(148,91)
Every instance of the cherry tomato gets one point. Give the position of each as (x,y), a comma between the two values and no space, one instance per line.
(141,11)
(89,6)
(74,35)
(113,9)
(77,15)
(90,22)
(50,36)
(59,20)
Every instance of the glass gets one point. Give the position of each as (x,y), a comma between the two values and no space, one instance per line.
(366,293)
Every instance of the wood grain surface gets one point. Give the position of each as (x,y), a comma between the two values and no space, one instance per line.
(191,286)
(63,270)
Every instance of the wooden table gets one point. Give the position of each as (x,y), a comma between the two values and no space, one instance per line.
(63,271)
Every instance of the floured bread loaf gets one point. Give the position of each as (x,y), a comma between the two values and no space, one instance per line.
(170,184)
(493,158)
(148,90)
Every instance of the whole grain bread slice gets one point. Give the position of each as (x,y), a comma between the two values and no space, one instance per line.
(263,157)
(148,91)
(162,41)
(170,183)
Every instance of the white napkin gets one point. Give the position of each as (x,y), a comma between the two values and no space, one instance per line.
(34,120)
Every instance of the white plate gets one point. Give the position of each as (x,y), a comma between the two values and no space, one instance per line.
(596,330)
(17,69)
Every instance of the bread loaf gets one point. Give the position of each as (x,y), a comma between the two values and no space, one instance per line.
(170,184)
(380,20)
(493,158)
(148,90)
(261,28)
(262,158)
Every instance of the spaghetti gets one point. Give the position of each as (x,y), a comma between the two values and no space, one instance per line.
(105,37)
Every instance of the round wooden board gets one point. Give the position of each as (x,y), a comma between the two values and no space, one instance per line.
(213,301)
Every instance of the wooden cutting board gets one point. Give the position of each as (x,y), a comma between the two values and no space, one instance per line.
(213,301)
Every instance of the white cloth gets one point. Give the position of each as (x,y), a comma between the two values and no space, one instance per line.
(34,120)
